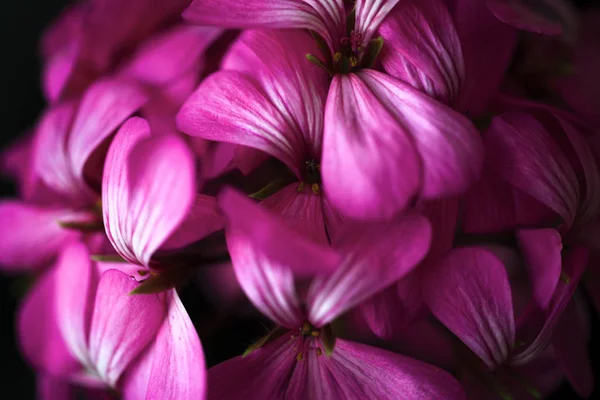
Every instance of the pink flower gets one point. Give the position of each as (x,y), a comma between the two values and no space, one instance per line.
(149,195)
(80,324)
(372,132)
(267,254)
(469,292)
(60,183)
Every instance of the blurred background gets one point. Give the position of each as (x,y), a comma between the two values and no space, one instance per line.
(21,24)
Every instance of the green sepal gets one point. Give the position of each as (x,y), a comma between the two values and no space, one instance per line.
(162,281)
(108,258)
(86,227)
(272,188)
(328,340)
(269,337)
(318,63)
(370,56)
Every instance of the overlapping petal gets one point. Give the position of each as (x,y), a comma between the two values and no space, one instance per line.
(520,15)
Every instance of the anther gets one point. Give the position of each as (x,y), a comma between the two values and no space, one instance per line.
(299,356)
(319,351)
(300,187)
(315,188)
(337,57)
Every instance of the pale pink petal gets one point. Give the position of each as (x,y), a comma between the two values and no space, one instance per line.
(122,324)
(487,47)
(422,48)
(326,17)
(203,218)
(370,14)
(303,211)
(295,87)
(357,371)
(166,57)
(103,108)
(262,374)
(176,361)
(39,337)
(469,292)
(521,16)
(374,257)
(541,250)
(571,347)
(574,263)
(266,253)
(370,167)
(522,152)
(149,187)
(30,235)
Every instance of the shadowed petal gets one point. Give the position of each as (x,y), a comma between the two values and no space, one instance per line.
(422,48)
(523,17)
(469,292)
(103,108)
(172,368)
(374,257)
(122,324)
(266,253)
(31,235)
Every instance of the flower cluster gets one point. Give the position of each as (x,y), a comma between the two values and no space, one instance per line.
(404,188)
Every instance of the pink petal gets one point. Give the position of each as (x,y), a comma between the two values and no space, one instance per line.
(76,282)
(523,17)
(203,218)
(325,17)
(122,324)
(443,217)
(487,47)
(50,388)
(370,167)
(39,336)
(52,160)
(375,257)
(524,154)
(574,263)
(262,374)
(31,235)
(146,201)
(541,250)
(422,48)
(60,72)
(16,162)
(571,348)
(104,107)
(166,57)
(357,371)
(469,292)
(173,366)
(383,312)
(370,14)
(303,212)
(265,253)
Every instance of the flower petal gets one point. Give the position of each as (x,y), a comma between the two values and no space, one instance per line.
(374,257)
(370,14)
(357,371)
(31,235)
(76,283)
(326,17)
(523,17)
(523,153)
(487,46)
(542,249)
(422,48)
(370,167)
(103,108)
(469,292)
(122,324)
(40,339)
(146,201)
(266,253)
(169,55)
(173,367)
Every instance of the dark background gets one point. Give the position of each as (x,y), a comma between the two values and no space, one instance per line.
(21,24)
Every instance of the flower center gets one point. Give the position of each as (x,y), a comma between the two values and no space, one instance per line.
(307,339)
(312,176)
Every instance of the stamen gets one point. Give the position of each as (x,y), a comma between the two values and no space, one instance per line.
(337,57)
(299,356)
(315,188)
(319,351)
(300,187)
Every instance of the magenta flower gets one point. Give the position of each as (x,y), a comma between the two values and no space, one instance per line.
(266,255)
(469,292)
(149,194)
(80,324)
(63,174)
